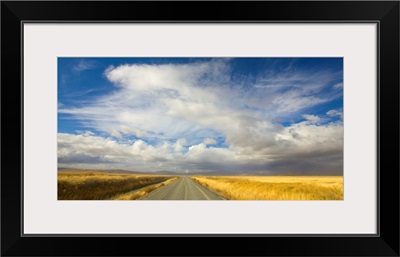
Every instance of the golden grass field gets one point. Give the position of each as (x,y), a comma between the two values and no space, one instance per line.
(104,186)
(275,187)
(142,191)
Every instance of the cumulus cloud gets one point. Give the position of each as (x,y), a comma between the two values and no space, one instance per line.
(210,141)
(302,145)
(169,116)
(312,119)
(335,113)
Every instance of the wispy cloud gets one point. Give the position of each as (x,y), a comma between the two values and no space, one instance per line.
(83,65)
(338,86)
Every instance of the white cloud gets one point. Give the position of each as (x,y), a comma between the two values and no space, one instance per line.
(312,119)
(308,139)
(338,86)
(302,144)
(294,90)
(210,141)
(83,65)
(335,113)
(183,108)
(294,101)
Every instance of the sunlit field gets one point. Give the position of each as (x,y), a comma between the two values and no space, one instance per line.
(104,186)
(143,191)
(275,187)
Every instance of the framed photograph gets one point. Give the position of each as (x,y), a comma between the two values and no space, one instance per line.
(255,128)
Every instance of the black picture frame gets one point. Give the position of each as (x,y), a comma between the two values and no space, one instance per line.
(383,13)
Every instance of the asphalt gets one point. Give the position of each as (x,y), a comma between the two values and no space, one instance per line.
(184,188)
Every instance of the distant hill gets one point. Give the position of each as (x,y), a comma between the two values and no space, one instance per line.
(119,171)
(171,173)
(161,172)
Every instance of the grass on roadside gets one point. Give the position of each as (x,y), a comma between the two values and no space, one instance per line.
(275,187)
(101,186)
(143,191)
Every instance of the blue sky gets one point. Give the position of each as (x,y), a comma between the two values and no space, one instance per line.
(225,115)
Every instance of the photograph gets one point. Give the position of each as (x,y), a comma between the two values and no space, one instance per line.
(272,123)
(200,128)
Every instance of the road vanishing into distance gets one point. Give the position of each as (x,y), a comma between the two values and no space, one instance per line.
(184,188)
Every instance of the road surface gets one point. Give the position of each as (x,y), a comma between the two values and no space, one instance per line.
(184,188)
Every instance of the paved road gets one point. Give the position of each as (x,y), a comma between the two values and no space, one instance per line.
(184,188)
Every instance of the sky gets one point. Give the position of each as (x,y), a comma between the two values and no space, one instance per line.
(272,116)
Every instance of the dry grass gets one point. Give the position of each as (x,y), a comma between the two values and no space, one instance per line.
(143,191)
(101,186)
(275,187)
